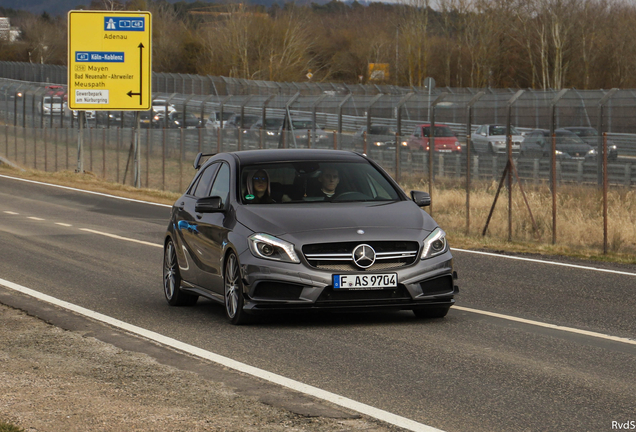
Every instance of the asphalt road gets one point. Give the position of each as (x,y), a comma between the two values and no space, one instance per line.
(467,372)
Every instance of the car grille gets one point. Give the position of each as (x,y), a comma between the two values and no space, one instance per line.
(339,256)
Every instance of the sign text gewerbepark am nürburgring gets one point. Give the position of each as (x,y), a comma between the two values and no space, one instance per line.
(109,63)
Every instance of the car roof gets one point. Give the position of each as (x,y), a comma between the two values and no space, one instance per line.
(288,155)
(436,124)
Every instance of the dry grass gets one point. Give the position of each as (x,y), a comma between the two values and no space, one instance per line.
(579,220)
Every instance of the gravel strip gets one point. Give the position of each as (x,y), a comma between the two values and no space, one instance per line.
(57,380)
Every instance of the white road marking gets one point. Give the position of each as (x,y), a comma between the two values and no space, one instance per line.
(342,401)
(63,224)
(545,262)
(550,326)
(121,238)
(11,213)
(35,218)
(84,191)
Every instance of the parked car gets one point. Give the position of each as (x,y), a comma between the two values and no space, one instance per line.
(270,132)
(235,121)
(290,251)
(492,139)
(538,143)
(55,90)
(159,106)
(8,92)
(108,118)
(445,139)
(214,120)
(51,105)
(176,119)
(590,136)
(379,137)
(303,130)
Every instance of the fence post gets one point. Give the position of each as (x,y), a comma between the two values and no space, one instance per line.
(605,186)
(340,105)
(469,133)
(431,147)
(599,155)
(510,162)
(553,167)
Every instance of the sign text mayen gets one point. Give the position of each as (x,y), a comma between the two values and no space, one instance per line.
(109,60)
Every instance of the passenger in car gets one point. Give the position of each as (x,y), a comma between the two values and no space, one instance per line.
(258,188)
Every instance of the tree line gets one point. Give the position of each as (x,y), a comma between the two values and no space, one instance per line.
(540,44)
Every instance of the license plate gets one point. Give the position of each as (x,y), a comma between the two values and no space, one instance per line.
(365,281)
(444,151)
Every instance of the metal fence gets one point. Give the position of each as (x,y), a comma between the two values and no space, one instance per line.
(335,116)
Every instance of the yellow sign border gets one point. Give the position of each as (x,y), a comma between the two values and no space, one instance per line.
(114,85)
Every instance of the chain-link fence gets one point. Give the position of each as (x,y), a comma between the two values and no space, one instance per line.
(435,135)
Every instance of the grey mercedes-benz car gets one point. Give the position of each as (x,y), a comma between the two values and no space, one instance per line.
(274,230)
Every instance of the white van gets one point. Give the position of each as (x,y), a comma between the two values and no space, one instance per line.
(51,105)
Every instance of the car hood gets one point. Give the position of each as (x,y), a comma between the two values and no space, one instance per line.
(573,148)
(327,218)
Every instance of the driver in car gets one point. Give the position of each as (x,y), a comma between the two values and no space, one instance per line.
(329,179)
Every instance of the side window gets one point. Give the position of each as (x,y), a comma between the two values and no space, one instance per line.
(221,186)
(202,186)
(417,132)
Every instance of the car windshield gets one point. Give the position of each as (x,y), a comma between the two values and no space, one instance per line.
(179,116)
(440,131)
(501,130)
(585,132)
(273,123)
(381,130)
(567,137)
(315,181)
(248,120)
(302,124)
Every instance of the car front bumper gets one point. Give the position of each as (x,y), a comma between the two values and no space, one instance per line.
(271,286)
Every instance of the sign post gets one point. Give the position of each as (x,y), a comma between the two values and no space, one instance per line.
(109,64)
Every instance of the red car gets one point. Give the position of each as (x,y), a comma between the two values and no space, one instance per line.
(445,139)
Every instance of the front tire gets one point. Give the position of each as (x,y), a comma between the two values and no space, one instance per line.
(172,279)
(234,300)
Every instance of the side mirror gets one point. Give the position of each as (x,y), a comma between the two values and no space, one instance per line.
(422,199)
(209,205)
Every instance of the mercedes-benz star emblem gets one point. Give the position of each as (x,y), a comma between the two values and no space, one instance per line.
(364,256)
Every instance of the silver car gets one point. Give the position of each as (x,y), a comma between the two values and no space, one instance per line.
(492,139)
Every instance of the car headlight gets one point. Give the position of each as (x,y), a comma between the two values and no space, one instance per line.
(592,152)
(378,143)
(434,244)
(270,133)
(272,248)
(405,143)
(613,147)
(499,142)
(558,152)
